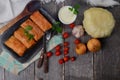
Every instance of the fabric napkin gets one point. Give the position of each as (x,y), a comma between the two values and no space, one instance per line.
(8,10)
(5,11)
(12,65)
(11,8)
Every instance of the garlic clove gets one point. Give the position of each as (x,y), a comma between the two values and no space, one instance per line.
(78,31)
(77,35)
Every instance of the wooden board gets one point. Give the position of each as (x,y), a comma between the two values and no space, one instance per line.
(4,28)
(107,61)
(82,68)
(2,77)
(27,74)
(104,65)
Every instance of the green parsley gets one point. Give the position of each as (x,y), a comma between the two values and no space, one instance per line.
(56,26)
(30,36)
(26,31)
(28,28)
(74,9)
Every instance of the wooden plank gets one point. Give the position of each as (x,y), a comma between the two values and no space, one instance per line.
(4,28)
(107,61)
(27,74)
(82,68)
(1,73)
(55,70)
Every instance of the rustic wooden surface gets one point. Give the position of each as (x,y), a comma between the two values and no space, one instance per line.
(103,65)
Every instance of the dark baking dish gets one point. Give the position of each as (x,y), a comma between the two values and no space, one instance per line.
(30,53)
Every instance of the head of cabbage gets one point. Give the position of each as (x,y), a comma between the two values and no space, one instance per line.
(98,22)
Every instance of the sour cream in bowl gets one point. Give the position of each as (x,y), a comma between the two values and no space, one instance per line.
(66,16)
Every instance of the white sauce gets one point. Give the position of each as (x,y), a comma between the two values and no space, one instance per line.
(66,16)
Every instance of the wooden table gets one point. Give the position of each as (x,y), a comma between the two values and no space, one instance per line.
(103,65)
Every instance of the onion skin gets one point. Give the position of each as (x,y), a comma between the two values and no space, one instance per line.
(94,45)
(80,49)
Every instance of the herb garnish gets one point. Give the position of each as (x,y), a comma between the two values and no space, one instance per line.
(75,9)
(28,28)
(26,31)
(56,26)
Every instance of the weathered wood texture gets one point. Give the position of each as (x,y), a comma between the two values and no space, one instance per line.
(55,70)
(82,68)
(1,73)
(104,65)
(27,74)
(107,61)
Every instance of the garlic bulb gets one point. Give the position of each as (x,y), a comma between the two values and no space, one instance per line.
(78,31)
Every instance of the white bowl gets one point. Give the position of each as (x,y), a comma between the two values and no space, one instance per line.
(66,16)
